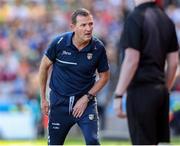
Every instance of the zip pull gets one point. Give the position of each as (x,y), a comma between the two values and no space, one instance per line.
(71,102)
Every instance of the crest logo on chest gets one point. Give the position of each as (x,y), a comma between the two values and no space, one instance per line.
(89,56)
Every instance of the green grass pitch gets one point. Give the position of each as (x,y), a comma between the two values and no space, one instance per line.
(72,141)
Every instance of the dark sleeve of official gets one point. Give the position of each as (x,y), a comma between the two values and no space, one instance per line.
(52,50)
(131,36)
(173,42)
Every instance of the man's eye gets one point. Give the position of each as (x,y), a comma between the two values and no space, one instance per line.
(90,24)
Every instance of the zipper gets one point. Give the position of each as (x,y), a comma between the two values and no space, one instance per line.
(71,102)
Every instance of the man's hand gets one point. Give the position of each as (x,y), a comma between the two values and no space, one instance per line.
(80,106)
(45,107)
(118,108)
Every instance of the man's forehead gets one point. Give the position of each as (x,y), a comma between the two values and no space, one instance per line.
(81,19)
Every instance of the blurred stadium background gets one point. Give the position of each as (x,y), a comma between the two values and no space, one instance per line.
(26,28)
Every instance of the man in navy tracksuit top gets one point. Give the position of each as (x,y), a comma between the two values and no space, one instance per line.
(74,56)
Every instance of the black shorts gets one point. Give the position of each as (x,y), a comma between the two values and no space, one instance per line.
(147,111)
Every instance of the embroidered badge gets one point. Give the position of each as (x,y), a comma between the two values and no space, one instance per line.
(91,116)
(89,56)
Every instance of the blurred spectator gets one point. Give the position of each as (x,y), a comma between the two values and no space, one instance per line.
(27,25)
(4,11)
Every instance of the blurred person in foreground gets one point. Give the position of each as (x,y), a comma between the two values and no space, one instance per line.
(74,56)
(149,41)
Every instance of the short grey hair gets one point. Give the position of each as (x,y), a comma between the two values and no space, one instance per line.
(79,12)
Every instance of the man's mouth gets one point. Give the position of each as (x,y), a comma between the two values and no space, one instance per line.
(88,34)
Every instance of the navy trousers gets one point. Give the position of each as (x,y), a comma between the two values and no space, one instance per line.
(61,120)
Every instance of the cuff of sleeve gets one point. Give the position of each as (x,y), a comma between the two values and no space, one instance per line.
(118,96)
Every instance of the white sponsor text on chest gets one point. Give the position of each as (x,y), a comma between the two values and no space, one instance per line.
(66,53)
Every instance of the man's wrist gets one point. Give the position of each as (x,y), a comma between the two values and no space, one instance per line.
(90,96)
(118,96)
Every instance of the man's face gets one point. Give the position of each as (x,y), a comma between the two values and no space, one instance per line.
(83,27)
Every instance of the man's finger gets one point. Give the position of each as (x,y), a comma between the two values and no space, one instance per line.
(45,110)
(121,115)
(81,114)
(77,116)
(75,112)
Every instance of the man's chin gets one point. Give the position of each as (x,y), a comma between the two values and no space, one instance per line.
(87,38)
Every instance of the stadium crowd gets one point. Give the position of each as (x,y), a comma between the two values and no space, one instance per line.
(27,26)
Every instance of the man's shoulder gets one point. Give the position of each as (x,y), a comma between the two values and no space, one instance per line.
(134,17)
(66,34)
(98,43)
(62,38)
(134,14)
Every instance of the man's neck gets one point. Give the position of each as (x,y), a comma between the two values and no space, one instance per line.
(139,2)
(78,43)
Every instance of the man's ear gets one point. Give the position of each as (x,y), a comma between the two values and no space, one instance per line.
(72,26)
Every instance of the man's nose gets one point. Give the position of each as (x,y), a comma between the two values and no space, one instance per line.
(88,27)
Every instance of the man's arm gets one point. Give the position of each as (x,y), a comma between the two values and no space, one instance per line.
(172,64)
(103,78)
(128,70)
(129,67)
(43,76)
(81,104)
